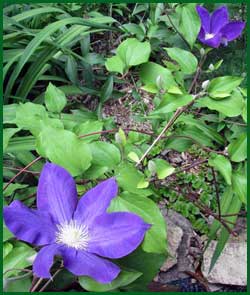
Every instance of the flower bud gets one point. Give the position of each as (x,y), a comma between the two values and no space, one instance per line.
(202,51)
(211,67)
(118,138)
(205,84)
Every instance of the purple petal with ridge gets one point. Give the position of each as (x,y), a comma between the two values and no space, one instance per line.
(117,234)
(44,260)
(82,263)
(96,201)
(204,17)
(56,193)
(219,19)
(232,30)
(213,42)
(29,225)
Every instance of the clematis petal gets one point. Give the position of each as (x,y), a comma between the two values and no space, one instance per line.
(96,201)
(29,225)
(117,234)
(82,263)
(219,19)
(204,17)
(56,193)
(44,260)
(212,42)
(232,30)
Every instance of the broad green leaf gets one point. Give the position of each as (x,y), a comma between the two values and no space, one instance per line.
(135,30)
(124,278)
(163,168)
(179,144)
(130,52)
(55,99)
(189,24)
(12,188)
(244,111)
(29,115)
(239,183)
(155,240)
(87,128)
(133,52)
(20,283)
(222,87)
(171,102)
(64,148)
(7,248)
(9,113)
(146,263)
(7,134)
(187,61)
(237,149)
(18,257)
(223,165)
(151,73)
(231,106)
(6,233)
(105,154)
(128,177)
(134,157)
(115,64)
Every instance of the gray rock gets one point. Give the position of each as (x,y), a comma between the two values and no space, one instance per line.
(231,267)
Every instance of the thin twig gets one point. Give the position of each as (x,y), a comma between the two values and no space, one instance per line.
(18,169)
(50,280)
(197,163)
(33,289)
(21,171)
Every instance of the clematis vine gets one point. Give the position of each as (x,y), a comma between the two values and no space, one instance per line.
(216,29)
(81,232)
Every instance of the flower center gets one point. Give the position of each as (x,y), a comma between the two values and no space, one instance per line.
(209,36)
(73,235)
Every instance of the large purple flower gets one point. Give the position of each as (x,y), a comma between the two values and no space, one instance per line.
(217,29)
(81,231)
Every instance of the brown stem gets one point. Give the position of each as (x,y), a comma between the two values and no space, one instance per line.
(33,289)
(21,171)
(18,169)
(51,279)
(197,163)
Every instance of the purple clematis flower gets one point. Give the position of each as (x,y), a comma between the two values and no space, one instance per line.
(81,232)
(217,29)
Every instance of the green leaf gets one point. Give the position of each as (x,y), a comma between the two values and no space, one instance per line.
(234,208)
(222,87)
(134,157)
(146,263)
(130,52)
(171,102)
(237,149)
(105,154)
(6,233)
(71,69)
(107,89)
(29,115)
(223,165)
(187,61)
(12,188)
(151,73)
(189,24)
(231,106)
(239,183)
(64,148)
(87,128)
(23,143)
(128,177)
(115,64)
(155,240)
(163,168)
(18,257)
(124,278)
(7,134)
(55,99)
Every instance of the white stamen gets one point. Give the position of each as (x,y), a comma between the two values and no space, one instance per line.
(73,235)
(209,36)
